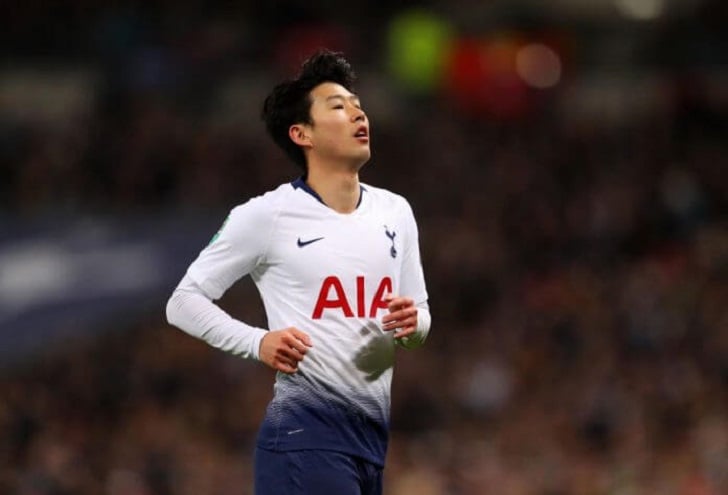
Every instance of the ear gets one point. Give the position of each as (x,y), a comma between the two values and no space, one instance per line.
(299,135)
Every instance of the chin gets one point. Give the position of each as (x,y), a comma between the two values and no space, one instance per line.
(364,159)
(359,159)
(356,160)
(366,155)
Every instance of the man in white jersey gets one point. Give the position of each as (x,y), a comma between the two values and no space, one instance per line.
(337,265)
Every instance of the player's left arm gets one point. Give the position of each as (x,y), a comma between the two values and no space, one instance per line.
(409,313)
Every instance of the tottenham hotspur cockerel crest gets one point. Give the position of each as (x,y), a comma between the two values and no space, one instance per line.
(391,235)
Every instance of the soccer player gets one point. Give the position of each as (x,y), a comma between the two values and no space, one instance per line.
(337,265)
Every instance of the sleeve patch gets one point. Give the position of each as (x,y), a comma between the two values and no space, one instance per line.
(217,234)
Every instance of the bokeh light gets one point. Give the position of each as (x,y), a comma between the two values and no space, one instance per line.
(642,10)
(538,65)
(418,45)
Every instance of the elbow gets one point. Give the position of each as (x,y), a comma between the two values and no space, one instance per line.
(172,309)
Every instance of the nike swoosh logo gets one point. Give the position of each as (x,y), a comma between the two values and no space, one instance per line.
(306,243)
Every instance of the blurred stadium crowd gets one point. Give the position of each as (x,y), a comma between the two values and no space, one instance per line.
(573,229)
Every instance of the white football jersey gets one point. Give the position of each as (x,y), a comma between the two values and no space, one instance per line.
(327,274)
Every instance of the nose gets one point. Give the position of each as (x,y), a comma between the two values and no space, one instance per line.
(358,114)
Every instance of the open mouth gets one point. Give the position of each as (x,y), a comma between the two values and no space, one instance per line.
(362,133)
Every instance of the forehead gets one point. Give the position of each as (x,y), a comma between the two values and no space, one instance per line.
(330,91)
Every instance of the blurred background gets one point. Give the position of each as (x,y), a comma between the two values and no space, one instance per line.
(566,161)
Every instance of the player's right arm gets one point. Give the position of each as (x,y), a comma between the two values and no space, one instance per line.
(236,250)
(191,310)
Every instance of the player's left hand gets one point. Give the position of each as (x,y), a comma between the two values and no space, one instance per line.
(402,315)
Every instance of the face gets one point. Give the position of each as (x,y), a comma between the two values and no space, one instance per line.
(340,129)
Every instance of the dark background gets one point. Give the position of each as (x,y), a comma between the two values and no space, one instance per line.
(566,162)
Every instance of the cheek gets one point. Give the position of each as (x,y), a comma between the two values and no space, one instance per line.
(330,132)
(333,125)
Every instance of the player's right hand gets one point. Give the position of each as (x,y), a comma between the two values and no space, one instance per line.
(282,350)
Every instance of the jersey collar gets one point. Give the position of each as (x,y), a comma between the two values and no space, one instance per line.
(300,183)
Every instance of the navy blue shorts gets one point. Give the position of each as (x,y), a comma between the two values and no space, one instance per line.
(314,472)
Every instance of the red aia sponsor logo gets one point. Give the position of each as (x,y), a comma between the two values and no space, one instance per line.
(332,296)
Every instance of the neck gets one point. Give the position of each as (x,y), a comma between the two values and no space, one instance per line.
(340,190)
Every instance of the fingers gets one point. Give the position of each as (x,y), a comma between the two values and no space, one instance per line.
(405,332)
(401,319)
(301,337)
(290,353)
(282,350)
(402,315)
(285,366)
(395,303)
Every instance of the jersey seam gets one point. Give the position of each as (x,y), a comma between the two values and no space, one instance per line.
(278,209)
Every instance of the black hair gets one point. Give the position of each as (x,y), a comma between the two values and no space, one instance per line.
(289,102)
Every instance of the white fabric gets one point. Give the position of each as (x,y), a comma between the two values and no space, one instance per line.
(294,247)
(190,309)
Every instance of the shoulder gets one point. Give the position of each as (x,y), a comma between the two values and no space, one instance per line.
(257,215)
(387,199)
(264,206)
(390,202)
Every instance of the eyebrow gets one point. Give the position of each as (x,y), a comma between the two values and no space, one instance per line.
(352,97)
